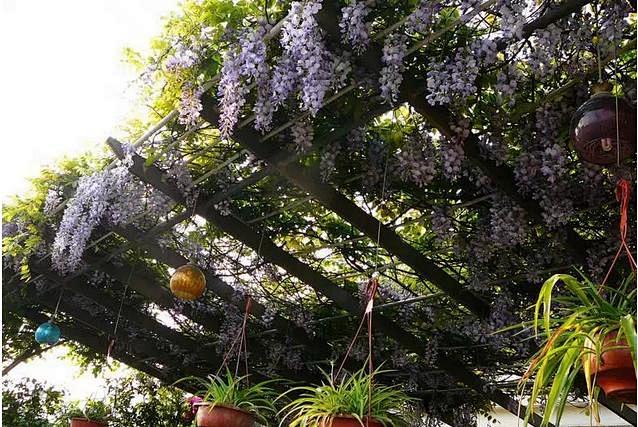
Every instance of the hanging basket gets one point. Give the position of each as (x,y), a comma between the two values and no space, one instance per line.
(350,421)
(223,416)
(594,129)
(84,422)
(616,374)
(188,282)
(47,333)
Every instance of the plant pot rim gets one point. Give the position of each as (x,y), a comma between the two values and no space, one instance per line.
(352,416)
(220,405)
(89,420)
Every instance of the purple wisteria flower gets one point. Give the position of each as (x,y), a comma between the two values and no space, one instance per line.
(422,18)
(302,134)
(416,162)
(394,50)
(242,66)
(303,44)
(355,31)
(183,57)
(508,225)
(190,105)
(52,201)
(328,160)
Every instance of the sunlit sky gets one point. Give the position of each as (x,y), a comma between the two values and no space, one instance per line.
(63,84)
(64,89)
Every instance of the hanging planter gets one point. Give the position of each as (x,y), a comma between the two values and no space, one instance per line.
(597,136)
(615,374)
(85,422)
(343,404)
(580,339)
(188,282)
(222,416)
(47,333)
(95,413)
(350,421)
(229,401)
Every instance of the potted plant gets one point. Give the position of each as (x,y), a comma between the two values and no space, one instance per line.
(228,402)
(586,329)
(94,414)
(347,403)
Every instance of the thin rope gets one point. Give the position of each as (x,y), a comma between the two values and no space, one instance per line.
(119,311)
(57,305)
(119,314)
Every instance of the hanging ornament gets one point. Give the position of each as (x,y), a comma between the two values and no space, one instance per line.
(47,333)
(188,282)
(598,136)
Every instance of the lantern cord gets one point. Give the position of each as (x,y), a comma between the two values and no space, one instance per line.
(370,292)
(241,339)
(119,313)
(623,191)
(57,305)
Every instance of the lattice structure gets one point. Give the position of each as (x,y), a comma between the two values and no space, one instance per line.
(261,220)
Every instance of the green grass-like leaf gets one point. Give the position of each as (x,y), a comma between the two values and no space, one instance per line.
(320,404)
(574,326)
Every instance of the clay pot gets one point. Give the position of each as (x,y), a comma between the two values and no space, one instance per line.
(83,422)
(223,416)
(593,129)
(616,375)
(348,421)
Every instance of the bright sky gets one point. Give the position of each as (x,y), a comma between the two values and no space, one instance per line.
(63,84)
(65,89)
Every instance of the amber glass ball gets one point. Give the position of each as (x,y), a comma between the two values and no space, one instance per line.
(188,282)
(594,130)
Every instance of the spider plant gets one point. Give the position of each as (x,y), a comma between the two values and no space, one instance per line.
(319,405)
(233,391)
(575,326)
(93,410)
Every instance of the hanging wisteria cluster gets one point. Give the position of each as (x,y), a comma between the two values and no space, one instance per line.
(110,197)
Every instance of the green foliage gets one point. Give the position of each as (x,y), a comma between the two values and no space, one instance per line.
(231,391)
(29,403)
(574,325)
(137,400)
(142,401)
(93,410)
(320,404)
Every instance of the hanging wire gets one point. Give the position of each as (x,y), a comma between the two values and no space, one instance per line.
(57,306)
(119,313)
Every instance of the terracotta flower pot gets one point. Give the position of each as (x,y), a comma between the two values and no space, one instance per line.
(616,375)
(348,421)
(83,422)
(223,416)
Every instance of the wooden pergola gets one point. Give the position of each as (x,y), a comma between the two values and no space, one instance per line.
(302,183)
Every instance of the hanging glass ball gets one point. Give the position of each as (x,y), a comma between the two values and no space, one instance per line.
(188,282)
(595,131)
(47,333)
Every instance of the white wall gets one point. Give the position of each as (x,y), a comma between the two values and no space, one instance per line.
(573,417)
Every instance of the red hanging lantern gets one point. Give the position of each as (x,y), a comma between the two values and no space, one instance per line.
(595,133)
(188,282)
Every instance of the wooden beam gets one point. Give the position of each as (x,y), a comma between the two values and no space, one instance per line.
(92,341)
(143,283)
(454,367)
(308,178)
(79,286)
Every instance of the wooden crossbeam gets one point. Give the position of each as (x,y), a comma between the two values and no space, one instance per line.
(143,282)
(170,257)
(98,343)
(308,178)
(455,368)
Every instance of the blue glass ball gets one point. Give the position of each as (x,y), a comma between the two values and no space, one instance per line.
(47,333)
